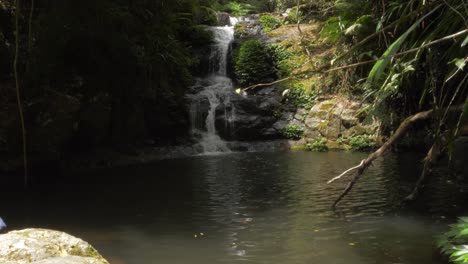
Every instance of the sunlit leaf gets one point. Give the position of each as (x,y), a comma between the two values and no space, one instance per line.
(380,66)
(460,63)
(465,42)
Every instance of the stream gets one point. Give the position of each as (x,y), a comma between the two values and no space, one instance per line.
(245,208)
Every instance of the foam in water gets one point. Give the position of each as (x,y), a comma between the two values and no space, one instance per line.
(216,89)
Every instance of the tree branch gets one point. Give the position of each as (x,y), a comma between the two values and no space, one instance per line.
(345,172)
(399,133)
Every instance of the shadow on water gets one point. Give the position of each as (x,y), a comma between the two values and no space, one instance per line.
(254,207)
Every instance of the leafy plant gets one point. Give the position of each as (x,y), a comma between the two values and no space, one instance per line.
(253,63)
(292,131)
(454,243)
(334,29)
(280,56)
(362,142)
(301,97)
(238,9)
(319,145)
(269,22)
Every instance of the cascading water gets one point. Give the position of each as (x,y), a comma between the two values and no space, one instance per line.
(216,89)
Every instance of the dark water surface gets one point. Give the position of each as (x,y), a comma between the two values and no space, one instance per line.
(245,208)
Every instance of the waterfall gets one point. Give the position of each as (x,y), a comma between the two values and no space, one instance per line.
(217,89)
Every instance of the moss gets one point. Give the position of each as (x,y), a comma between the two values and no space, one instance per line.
(299,147)
(322,125)
(240,30)
(327,106)
(90,252)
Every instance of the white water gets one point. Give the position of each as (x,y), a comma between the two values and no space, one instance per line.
(217,89)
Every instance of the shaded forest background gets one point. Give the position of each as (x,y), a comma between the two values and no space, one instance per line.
(114,73)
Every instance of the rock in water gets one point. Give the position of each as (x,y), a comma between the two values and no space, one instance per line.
(42,246)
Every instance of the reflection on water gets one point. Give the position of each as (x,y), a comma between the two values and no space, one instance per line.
(244,207)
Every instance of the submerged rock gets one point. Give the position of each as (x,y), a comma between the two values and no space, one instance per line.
(42,246)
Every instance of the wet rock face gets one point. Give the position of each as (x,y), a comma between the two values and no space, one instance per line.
(223,19)
(249,28)
(41,246)
(249,118)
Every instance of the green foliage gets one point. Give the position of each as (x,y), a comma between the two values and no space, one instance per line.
(454,243)
(380,66)
(237,9)
(293,131)
(318,145)
(269,22)
(280,56)
(240,30)
(362,142)
(253,63)
(334,29)
(296,15)
(301,97)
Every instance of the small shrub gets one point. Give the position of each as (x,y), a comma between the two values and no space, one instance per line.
(293,132)
(253,63)
(318,145)
(362,143)
(334,29)
(237,9)
(280,57)
(454,243)
(295,16)
(269,22)
(302,98)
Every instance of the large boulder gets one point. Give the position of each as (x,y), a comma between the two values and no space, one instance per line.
(42,246)
(248,118)
(337,117)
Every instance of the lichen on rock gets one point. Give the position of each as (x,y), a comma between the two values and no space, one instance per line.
(42,246)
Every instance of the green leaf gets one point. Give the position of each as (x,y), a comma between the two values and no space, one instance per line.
(465,42)
(460,63)
(382,64)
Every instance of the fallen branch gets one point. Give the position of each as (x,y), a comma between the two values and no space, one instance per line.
(266,84)
(434,153)
(346,172)
(399,133)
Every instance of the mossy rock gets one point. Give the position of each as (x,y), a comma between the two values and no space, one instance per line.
(46,247)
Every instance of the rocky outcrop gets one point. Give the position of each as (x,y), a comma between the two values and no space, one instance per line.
(223,19)
(41,246)
(249,28)
(249,117)
(337,118)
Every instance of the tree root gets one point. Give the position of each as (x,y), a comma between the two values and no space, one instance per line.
(433,154)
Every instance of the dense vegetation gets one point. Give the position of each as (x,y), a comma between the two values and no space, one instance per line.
(101,72)
(115,73)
